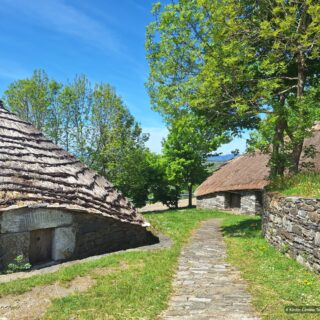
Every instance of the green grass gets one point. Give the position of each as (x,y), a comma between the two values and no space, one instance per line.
(274,280)
(141,290)
(305,184)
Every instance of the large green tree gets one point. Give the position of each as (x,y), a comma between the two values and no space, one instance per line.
(117,144)
(186,150)
(238,62)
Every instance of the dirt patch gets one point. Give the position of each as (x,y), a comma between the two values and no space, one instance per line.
(104,270)
(158,206)
(33,304)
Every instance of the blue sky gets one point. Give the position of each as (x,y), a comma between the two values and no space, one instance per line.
(103,39)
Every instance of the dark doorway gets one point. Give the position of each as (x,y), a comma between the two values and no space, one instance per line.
(235,200)
(259,198)
(40,249)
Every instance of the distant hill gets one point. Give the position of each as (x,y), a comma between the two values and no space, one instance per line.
(222,158)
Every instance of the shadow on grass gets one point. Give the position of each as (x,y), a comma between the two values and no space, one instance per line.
(244,229)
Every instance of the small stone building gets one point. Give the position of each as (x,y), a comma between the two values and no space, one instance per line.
(53,207)
(238,185)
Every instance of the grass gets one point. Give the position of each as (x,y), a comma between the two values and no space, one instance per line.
(306,184)
(275,281)
(141,290)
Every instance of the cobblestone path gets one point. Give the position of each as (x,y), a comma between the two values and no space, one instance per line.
(205,286)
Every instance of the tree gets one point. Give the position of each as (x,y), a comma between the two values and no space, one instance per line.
(93,124)
(116,147)
(160,187)
(186,150)
(243,64)
(33,99)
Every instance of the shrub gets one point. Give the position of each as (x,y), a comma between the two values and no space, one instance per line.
(18,264)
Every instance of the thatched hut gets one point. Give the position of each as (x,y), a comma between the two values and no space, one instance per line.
(53,207)
(240,183)
(237,185)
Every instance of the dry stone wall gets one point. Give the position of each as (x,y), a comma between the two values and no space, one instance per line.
(212,201)
(292,224)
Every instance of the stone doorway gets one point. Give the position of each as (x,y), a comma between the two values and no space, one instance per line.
(235,201)
(40,249)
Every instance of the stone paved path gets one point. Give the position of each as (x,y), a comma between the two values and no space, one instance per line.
(205,286)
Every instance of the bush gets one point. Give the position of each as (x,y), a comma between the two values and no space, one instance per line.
(18,264)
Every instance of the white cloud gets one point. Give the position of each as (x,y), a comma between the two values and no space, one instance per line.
(64,18)
(157,134)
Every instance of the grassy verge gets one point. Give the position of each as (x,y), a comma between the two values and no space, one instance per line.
(306,184)
(275,281)
(141,290)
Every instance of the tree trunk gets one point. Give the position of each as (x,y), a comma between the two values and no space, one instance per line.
(278,166)
(295,157)
(298,146)
(177,198)
(190,195)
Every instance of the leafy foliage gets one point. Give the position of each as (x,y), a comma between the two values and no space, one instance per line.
(186,150)
(242,64)
(19,264)
(92,123)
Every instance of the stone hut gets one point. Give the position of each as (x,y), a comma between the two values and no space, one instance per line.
(53,207)
(239,184)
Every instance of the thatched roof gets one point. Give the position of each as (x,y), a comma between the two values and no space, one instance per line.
(245,172)
(35,172)
(250,171)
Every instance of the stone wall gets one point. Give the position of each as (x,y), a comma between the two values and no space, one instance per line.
(101,234)
(212,201)
(292,225)
(75,235)
(250,202)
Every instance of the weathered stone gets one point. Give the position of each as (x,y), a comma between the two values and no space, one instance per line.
(286,234)
(300,259)
(306,207)
(314,217)
(293,211)
(316,253)
(293,222)
(26,219)
(218,292)
(18,244)
(64,241)
(301,213)
(72,235)
(250,201)
(216,200)
(296,230)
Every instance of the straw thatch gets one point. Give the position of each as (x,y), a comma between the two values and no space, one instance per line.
(35,172)
(250,171)
(246,172)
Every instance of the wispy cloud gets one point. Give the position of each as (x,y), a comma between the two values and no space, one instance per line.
(11,71)
(61,17)
(137,5)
